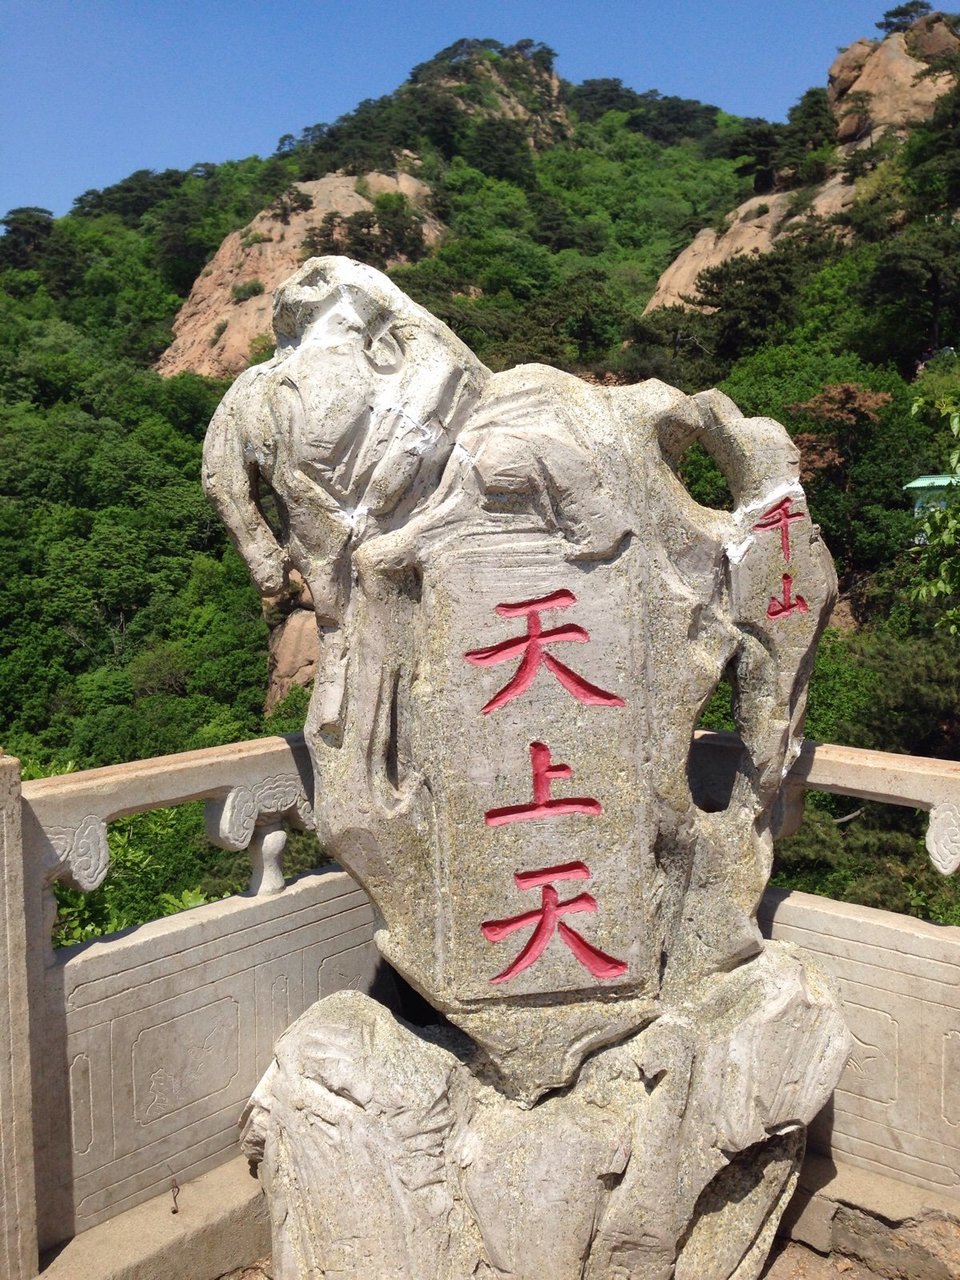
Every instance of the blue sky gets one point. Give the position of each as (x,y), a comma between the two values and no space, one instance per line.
(92,89)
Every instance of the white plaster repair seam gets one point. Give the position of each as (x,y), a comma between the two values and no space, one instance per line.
(460,452)
(735,551)
(427,433)
(792,489)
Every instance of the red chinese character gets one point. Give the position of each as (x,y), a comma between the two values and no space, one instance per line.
(544,774)
(779,517)
(547,921)
(780,608)
(530,650)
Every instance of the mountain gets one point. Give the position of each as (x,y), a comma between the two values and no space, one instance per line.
(516,188)
(536,218)
(228,311)
(876,88)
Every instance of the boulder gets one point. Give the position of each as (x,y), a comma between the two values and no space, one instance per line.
(521,614)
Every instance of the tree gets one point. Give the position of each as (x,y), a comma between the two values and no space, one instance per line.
(938,562)
(292,200)
(756,144)
(755,298)
(500,149)
(931,160)
(594,98)
(903,16)
(915,289)
(25,231)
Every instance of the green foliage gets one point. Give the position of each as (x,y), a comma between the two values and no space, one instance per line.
(756,301)
(262,348)
(931,160)
(391,230)
(938,561)
(291,200)
(667,120)
(254,237)
(903,16)
(428,115)
(25,234)
(876,858)
(153,859)
(808,142)
(249,289)
(161,864)
(916,284)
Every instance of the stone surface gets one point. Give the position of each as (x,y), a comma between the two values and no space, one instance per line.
(18,1221)
(383,1154)
(788,1261)
(148,1043)
(900,1232)
(896,1111)
(294,650)
(521,811)
(754,227)
(887,72)
(221,1222)
(793,1262)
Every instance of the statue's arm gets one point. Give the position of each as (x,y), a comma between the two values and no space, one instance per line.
(230,476)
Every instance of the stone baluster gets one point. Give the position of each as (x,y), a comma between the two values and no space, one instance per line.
(251,818)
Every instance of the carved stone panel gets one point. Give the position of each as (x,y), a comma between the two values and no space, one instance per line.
(531,743)
(896,1110)
(167,1029)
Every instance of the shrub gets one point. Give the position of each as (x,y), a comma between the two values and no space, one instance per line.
(249,289)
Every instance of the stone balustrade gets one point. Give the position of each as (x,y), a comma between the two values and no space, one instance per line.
(126,1062)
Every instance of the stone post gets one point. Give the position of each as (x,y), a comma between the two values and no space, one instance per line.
(18,1223)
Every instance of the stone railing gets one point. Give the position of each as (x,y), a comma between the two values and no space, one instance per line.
(135,1054)
(126,1062)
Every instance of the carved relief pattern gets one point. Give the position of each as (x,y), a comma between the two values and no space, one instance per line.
(897,1107)
(873,1069)
(943,838)
(81,1110)
(238,818)
(235,820)
(171,1071)
(950,1078)
(167,1037)
(83,855)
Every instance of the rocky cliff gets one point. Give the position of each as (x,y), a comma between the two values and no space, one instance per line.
(753,227)
(228,311)
(873,86)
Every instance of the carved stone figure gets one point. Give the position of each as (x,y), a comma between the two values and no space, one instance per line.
(522,613)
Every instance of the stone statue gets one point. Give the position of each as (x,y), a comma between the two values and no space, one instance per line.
(522,613)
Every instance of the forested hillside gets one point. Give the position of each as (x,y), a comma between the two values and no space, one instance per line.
(128,627)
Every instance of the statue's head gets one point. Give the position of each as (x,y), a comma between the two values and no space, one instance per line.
(406,364)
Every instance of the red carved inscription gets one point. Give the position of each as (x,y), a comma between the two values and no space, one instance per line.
(788,602)
(547,921)
(530,649)
(779,517)
(545,772)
